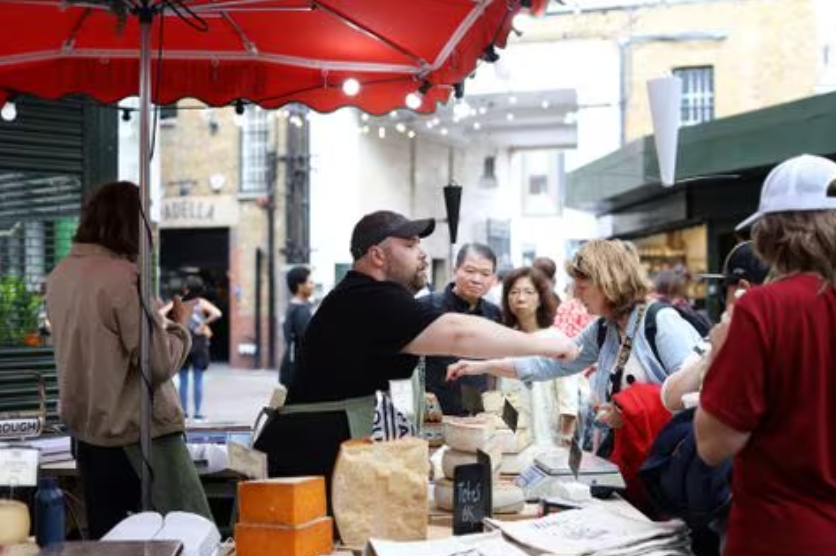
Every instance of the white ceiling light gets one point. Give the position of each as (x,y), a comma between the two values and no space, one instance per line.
(351,87)
(413,101)
(400,127)
(411,134)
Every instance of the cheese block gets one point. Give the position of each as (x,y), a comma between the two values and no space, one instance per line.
(379,489)
(308,539)
(451,459)
(14,522)
(282,501)
(514,464)
(507,498)
(513,442)
(468,434)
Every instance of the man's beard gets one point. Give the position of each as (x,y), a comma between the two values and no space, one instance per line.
(413,282)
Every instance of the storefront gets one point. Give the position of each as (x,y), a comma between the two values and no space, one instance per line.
(51,154)
(721,166)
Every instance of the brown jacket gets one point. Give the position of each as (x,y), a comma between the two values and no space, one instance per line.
(93,306)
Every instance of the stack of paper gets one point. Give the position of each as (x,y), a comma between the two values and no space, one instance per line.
(597,532)
(485,544)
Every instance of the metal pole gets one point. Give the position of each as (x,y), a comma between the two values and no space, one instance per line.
(271,261)
(146,17)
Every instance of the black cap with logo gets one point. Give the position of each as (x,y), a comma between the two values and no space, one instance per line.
(377,226)
(742,263)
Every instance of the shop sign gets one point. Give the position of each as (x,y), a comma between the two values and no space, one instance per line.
(217,211)
(20,428)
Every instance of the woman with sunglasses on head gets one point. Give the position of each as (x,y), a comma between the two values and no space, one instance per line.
(632,342)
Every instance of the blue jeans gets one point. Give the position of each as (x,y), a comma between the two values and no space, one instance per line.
(197,392)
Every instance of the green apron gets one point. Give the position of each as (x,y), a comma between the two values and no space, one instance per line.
(359,411)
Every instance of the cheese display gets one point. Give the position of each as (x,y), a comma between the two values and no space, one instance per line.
(468,434)
(507,498)
(450,459)
(513,442)
(282,501)
(313,538)
(14,522)
(379,489)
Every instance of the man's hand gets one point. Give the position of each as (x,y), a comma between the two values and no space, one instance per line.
(181,311)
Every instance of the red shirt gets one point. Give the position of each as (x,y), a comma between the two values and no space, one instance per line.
(775,377)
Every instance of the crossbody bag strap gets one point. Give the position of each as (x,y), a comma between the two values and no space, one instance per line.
(624,352)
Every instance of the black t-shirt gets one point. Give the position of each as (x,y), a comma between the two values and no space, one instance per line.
(449,394)
(353,342)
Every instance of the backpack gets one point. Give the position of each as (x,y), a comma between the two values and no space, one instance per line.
(650,327)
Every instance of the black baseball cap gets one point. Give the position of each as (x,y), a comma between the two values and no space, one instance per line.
(742,263)
(377,226)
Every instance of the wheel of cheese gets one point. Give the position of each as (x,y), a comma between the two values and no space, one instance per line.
(507,498)
(468,434)
(14,522)
(451,459)
(513,442)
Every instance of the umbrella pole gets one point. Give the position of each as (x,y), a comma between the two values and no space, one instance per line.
(144,263)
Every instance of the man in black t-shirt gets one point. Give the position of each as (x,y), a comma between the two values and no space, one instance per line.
(370,330)
(296,319)
(473,276)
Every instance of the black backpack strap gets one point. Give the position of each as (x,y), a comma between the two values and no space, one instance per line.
(650,327)
(600,331)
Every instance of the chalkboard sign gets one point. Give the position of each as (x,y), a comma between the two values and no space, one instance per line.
(469,498)
(510,415)
(472,400)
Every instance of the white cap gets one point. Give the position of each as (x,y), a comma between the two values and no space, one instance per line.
(797,185)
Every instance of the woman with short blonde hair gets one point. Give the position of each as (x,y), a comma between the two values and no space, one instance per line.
(612,283)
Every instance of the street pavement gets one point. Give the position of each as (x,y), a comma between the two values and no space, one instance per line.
(235,395)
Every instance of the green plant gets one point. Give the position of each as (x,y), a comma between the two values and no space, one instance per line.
(19,308)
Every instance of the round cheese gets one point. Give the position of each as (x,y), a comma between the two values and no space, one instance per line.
(467,434)
(14,522)
(507,498)
(451,459)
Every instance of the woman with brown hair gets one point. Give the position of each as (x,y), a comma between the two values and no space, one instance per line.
(529,304)
(94,307)
(769,397)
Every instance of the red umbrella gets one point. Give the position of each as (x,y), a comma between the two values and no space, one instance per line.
(269,52)
(323,53)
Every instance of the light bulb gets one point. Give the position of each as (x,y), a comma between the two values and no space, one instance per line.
(411,134)
(401,127)
(413,101)
(381,132)
(351,87)
(9,111)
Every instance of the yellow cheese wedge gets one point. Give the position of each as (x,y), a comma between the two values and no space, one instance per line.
(282,501)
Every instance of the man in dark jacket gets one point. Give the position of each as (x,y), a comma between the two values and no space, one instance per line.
(473,277)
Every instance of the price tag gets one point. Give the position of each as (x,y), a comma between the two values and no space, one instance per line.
(575,455)
(469,498)
(472,400)
(19,467)
(510,415)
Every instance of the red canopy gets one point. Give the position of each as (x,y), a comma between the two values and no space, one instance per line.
(269,52)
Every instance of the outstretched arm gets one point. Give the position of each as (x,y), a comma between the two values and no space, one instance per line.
(470,336)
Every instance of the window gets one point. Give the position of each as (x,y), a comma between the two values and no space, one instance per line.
(697,94)
(254,134)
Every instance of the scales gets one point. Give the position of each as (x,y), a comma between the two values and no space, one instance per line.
(552,466)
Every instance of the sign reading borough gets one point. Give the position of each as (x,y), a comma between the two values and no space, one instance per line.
(217,211)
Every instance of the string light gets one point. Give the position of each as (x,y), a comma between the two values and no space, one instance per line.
(413,101)
(126,115)
(9,111)
(351,87)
